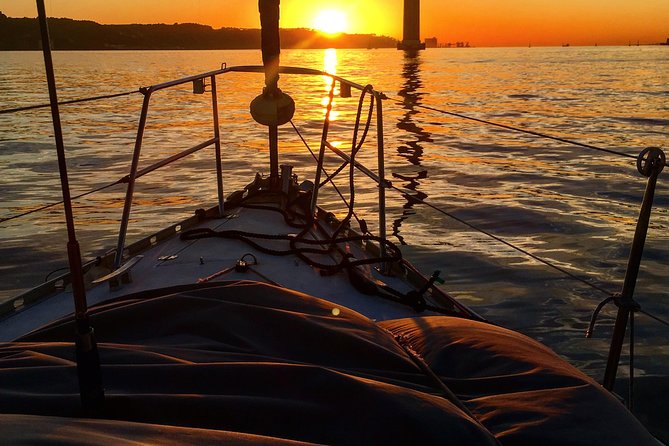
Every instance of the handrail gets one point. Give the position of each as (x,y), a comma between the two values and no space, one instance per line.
(173,158)
(295,70)
(185,80)
(134,173)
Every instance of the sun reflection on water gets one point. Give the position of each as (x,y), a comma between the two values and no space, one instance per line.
(330,66)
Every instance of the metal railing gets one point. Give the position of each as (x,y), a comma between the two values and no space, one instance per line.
(649,163)
(198,81)
(135,174)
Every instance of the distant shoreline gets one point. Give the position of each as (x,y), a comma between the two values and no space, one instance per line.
(332,47)
(23,34)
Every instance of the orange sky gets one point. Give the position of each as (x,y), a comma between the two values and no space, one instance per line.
(483,22)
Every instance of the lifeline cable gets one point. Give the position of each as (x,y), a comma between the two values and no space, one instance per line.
(494,237)
(515,129)
(655,318)
(330,177)
(73,101)
(47,206)
(501,240)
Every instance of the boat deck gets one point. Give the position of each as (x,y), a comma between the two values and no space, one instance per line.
(173,261)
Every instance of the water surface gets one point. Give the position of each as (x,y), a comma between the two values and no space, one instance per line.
(575,207)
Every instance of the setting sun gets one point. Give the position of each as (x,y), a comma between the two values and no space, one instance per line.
(331,21)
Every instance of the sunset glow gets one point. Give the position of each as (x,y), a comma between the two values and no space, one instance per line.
(330,66)
(331,21)
(490,23)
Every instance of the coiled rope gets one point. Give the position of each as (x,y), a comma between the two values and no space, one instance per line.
(471,226)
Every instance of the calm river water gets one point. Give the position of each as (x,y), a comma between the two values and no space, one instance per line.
(572,206)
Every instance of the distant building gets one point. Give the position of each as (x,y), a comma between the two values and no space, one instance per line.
(431,42)
(411,40)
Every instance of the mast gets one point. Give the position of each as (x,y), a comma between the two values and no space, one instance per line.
(270,42)
(273,107)
(88,360)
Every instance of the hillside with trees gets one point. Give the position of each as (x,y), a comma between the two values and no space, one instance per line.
(68,34)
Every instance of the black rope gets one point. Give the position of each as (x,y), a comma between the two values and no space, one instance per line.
(73,101)
(247,237)
(288,218)
(355,148)
(474,227)
(47,206)
(333,239)
(46,279)
(346,263)
(595,315)
(516,129)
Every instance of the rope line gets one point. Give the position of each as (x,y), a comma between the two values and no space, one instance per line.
(73,101)
(652,316)
(330,178)
(47,206)
(516,129)
(470,225)
(504,242)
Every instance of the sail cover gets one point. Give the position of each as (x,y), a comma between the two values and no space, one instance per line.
(244,362)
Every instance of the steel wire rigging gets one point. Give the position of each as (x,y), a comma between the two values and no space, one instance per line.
(512,128)
(72,101)
(585,281)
